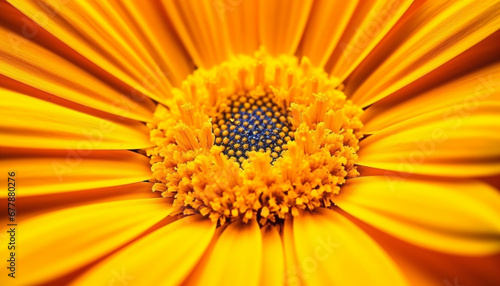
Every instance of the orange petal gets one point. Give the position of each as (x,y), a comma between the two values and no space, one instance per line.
(34,57)
(241,18)
(461,96)
(201,28)
(433,34)
(30,206)
(281,24)
(234,260)
(455,217)
(319,38)
(49,172)
(163,44)
(453,141)
(331,250)
(100,32)
(370,22)
(71,238)
(426,267)
(292,267)
(175,248)
(479,61)
(34,123)
(273,265)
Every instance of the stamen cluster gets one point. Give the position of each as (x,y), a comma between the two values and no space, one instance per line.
(200,158)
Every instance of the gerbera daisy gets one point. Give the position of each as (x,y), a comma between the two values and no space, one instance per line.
(234,142)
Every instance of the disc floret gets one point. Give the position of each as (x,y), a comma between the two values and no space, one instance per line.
(255,138)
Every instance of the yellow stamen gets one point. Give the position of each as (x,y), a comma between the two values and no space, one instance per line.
(255,138)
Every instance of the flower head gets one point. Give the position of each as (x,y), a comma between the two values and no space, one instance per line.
(230,142)
(255,138)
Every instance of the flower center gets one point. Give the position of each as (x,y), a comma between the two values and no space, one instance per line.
(255,138)
(252,124)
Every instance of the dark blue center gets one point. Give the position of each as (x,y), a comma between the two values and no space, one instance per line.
(252,125)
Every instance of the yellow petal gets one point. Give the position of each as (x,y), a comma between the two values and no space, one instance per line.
(234,260)
(113,21)
(48,172)
(460,96)
(429,37)
(201,28)
(463,142)
(31,206)
(370,22)
(164,257)
(331,250)
(456,217)
(281,24)
(163,44)
(273,265)
(32,56)
(319,38)
(73,237)
(242,23)
(29,122)
(462,82)
(101,34)
(292,266)
(426,267)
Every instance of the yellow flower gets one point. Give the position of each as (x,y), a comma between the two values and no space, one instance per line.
(243,142)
